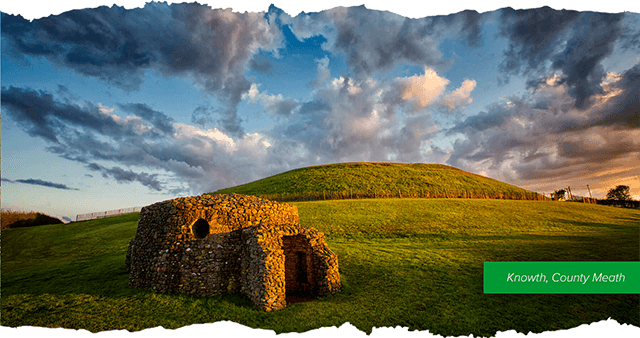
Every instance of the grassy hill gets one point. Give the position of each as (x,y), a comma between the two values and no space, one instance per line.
(415,263)
(375,180)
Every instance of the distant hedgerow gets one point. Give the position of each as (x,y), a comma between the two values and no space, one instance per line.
(17,219)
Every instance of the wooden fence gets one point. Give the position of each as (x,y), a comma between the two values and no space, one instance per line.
(620,204)
(109,213)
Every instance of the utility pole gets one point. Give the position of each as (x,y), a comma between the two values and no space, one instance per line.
(590,197)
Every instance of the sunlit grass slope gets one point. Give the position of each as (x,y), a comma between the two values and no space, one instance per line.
(415,263)
(371,180)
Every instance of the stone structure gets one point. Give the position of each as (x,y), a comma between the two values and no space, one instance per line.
(215,244)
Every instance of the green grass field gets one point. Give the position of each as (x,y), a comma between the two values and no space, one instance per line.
(415,263)
(378,180)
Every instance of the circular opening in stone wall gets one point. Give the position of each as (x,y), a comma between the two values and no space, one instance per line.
(200,228)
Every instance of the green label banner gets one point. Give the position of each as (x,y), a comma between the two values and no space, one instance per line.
(561,277)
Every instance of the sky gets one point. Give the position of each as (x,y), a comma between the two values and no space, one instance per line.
(113,107)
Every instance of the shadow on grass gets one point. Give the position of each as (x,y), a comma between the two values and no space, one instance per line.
(103,276)
(424,282)
(448,299)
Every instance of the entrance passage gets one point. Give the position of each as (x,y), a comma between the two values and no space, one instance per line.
(298,269)
(200,228)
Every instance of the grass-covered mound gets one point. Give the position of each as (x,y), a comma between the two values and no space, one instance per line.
(378,180)
(415,263)
(19,219)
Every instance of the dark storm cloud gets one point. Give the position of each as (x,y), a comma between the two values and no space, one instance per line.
(574,43)
(471,27)
(533,34)
(39,182)
(376,41)
(284,107)
(204,159)
(541,135)
(117,45)
(127,176)
(593,40)
(202,115)
(159,120)
(623,110)
(45,117)
(631,37)
(74,132)
(496,116)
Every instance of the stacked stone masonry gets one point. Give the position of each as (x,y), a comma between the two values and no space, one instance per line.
(216,244)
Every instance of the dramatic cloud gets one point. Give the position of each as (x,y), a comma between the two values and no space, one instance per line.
(541,137)
(205,159)
(618,104)
(569,42)
(41,183)
(365,119)
(214,47)
(159,120)
(121,175)
(44,117)
(577,115)
(376,41)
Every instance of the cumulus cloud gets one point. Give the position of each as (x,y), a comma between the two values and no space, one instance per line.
(322,73)
(425,89)
(460,97)
(348,117)
(576,118)
(429,89)
(276,105)
(361,119)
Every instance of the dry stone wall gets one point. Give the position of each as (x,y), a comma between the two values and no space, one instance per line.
(215,244)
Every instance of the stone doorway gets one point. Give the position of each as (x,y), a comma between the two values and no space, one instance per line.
(299,280)
(200,228)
